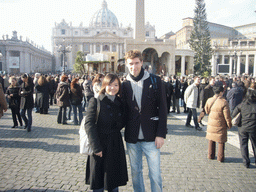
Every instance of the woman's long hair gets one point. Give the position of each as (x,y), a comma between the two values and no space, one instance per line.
(42,80)
(109,78)
(250,95)
(97,78)
(73,82)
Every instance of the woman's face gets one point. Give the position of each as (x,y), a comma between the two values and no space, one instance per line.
(14,82)
(112,88)
(25,80)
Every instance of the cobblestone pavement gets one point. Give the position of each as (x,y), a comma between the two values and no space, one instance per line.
(48,159)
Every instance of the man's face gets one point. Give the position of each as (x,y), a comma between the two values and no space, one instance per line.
(197,81)
(134,66)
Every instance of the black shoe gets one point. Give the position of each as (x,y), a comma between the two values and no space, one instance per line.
(178,112)
(25,127)
(190,126)
(172,111)
(14,126)
(201,124)
(28,129)
(198,128)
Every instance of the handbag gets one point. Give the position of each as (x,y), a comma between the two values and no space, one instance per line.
(85,147)
(237,119)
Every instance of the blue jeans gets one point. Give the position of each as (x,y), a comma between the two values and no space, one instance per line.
(28,121)
(79,107)
(69,113)
(192,112)
(153,158)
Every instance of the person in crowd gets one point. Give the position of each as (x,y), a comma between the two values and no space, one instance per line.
(106,168)
(76,97)
(3,103)
(235,95)
(88,88)
(191,98)
(37,75)
(56,83)
(183,87)
(168,91)
(62,96)
(43,90)
(97,81)
(219,121)
(146,120)
(248,125)
(207,93)
(14,101)
(51,83)
(176,94)
(26,101)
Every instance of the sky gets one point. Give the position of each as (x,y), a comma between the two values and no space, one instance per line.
(36,18)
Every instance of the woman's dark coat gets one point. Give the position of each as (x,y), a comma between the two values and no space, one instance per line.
(62,95)
(76,95)
(27,101)
(248,112)
(14,101)
(111,168)
(42,98)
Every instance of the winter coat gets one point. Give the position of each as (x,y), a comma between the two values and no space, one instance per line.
(152,117)
(235,96)
(76,95)
(3,103)
(42,98)
(62,95)
(176,88)
(183,87)
(26,93)
(88,88)
(248,119)
(14,101)
(111,168)
(191,96)
(219,119)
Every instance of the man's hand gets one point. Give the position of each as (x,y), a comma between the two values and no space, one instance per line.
(159,142)
(99,154)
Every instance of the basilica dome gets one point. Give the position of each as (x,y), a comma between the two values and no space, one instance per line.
(104,18)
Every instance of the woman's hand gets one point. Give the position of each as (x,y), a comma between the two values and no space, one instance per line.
(99,154)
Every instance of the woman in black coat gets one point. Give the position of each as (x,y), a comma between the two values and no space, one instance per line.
(106,168)
(62,96)
(76,97)
(248,125)
(14,101)
(26,101)
(42,98)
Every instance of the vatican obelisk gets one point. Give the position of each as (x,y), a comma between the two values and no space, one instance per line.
(140,21)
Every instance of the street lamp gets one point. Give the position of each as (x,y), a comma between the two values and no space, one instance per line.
(234,55)
(64,49)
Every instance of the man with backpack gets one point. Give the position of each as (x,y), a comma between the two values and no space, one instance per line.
(146,120)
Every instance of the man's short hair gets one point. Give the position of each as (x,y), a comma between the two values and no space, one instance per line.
(132,54)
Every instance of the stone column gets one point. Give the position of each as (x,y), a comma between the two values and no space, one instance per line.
(230,65)
(121,51)
(101,48)
(7,65)
(110,48)
(213,65)
(117,50)
(94,48)
(238,65)
(183,60)
(254,66)
(140,23)
(247,64)
(223,59)
(91,48)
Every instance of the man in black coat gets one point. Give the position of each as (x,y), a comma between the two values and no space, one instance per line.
(207,93)
(146,120)
(176,94)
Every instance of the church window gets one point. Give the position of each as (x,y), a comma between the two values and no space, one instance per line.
(86,47)
(114,32)
(63,31)
(97,48)
(76,32)
(98,32)
(105,48)
(113,48)
(147,33)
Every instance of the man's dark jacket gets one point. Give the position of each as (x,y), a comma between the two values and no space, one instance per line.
(207,93)
(234,97)
(153,104)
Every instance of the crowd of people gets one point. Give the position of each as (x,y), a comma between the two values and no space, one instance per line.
(140,102)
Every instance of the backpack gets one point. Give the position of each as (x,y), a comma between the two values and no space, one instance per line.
(85,147)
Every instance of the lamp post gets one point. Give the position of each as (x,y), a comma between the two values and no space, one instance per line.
(235,56)
(64,49)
